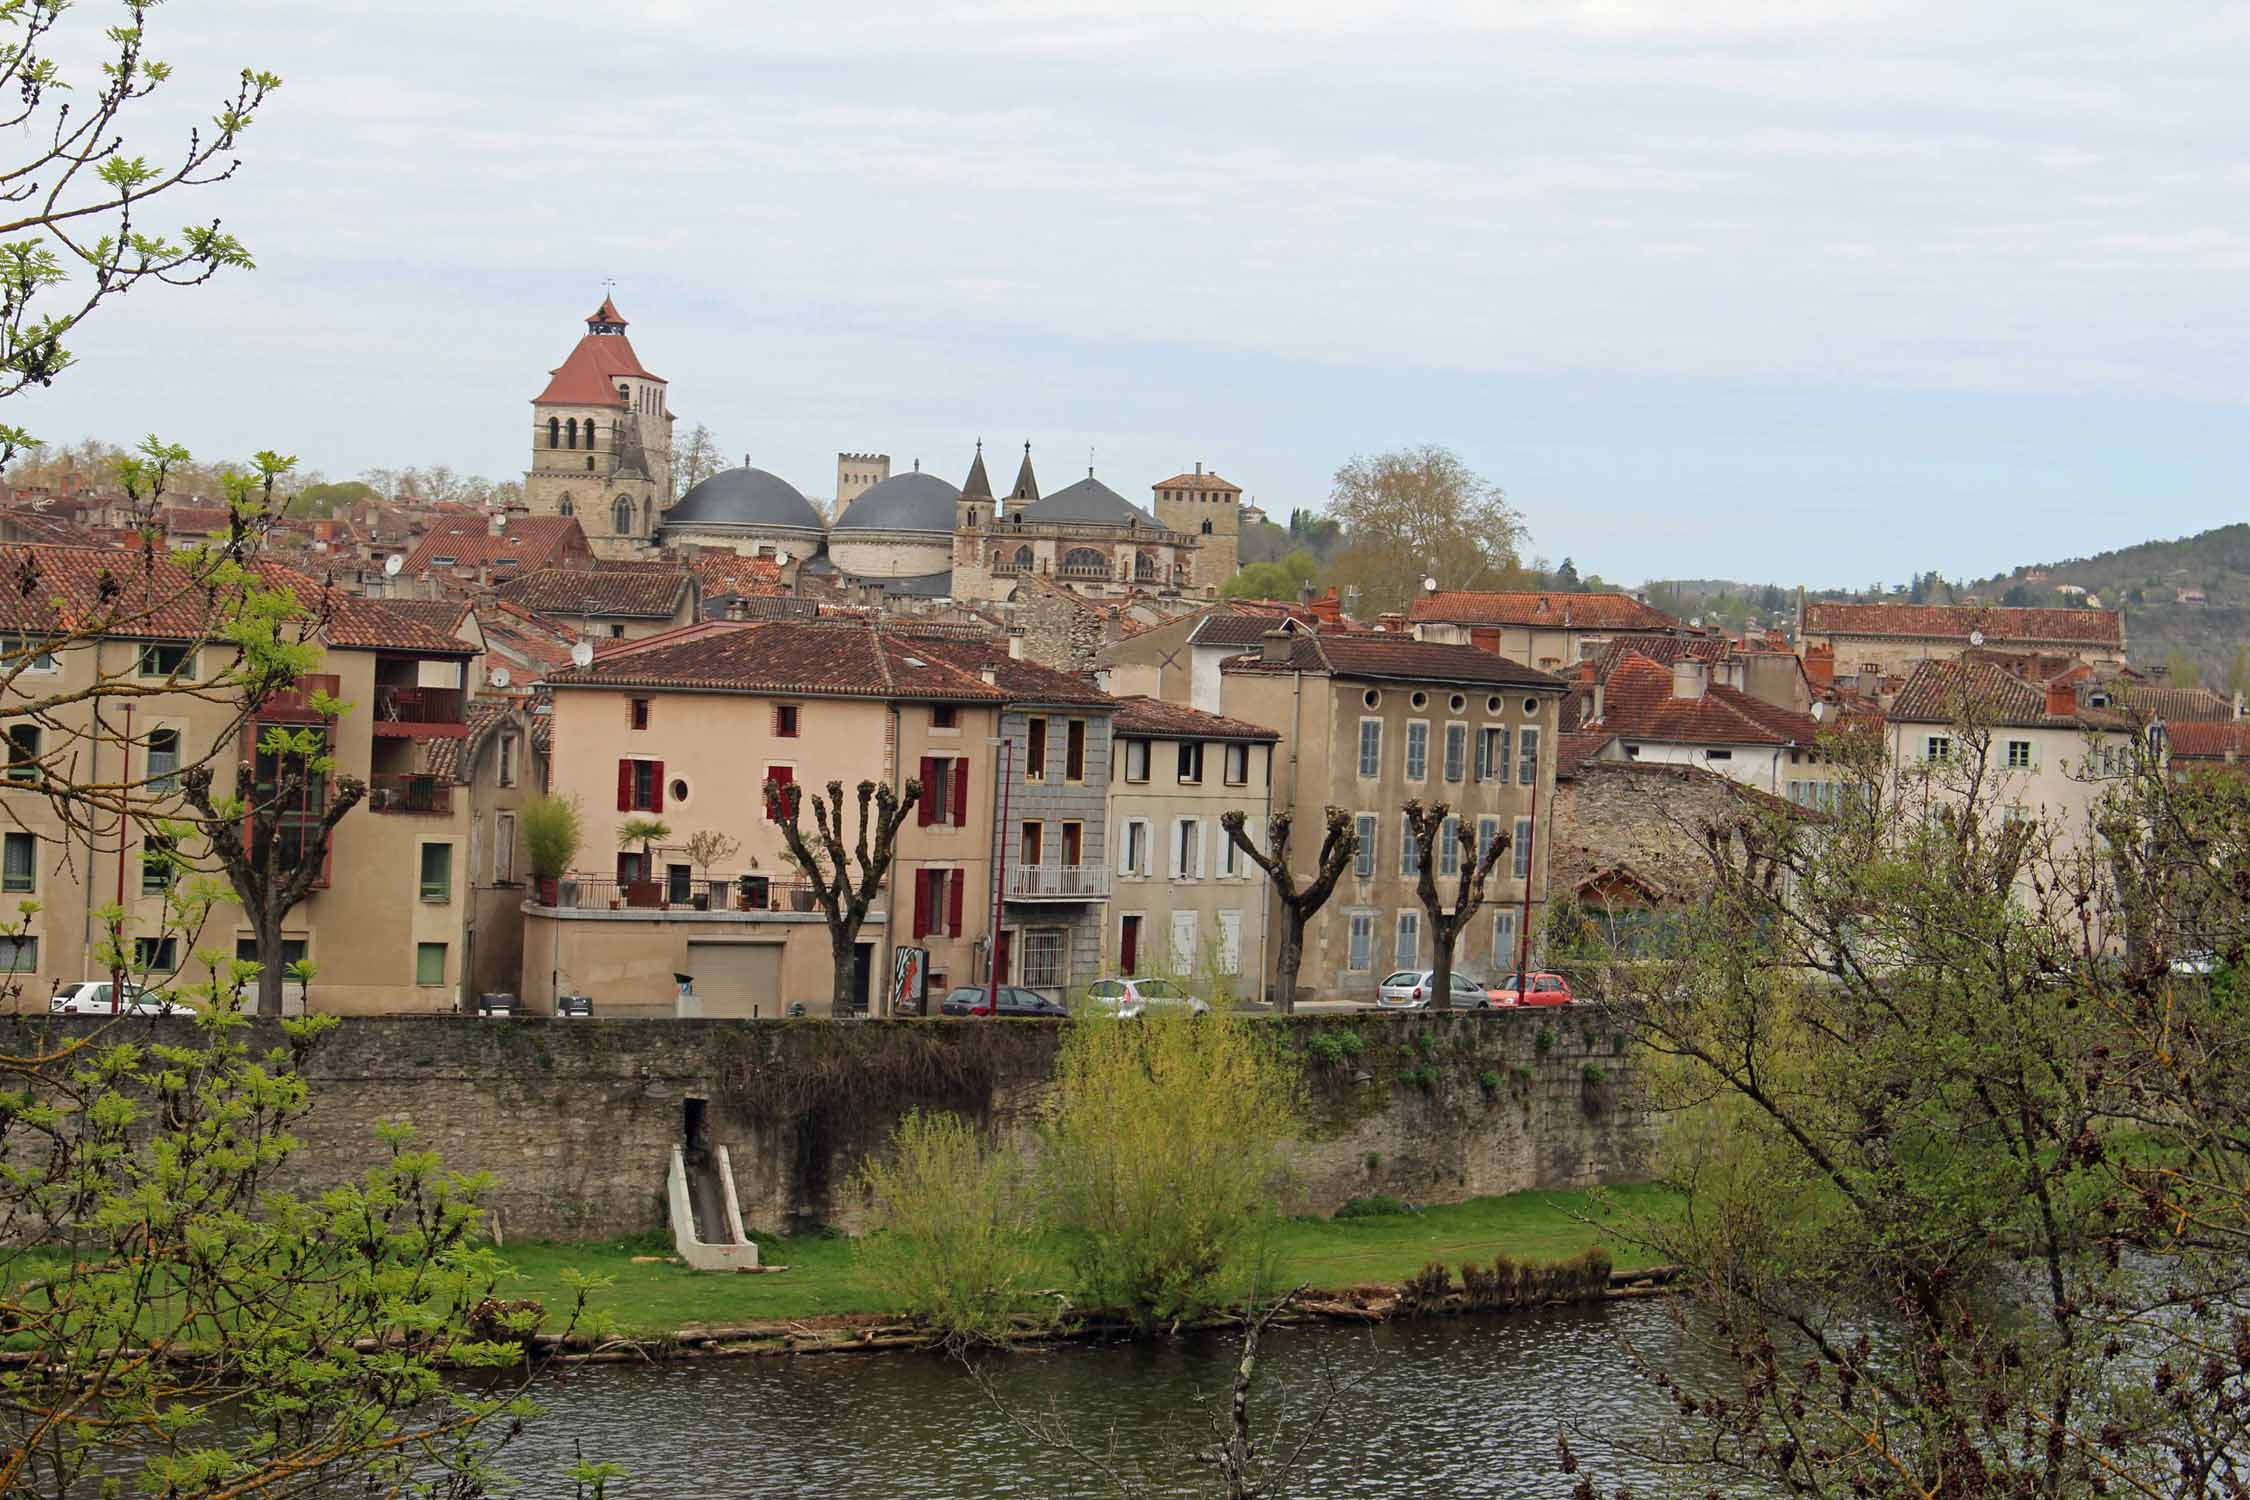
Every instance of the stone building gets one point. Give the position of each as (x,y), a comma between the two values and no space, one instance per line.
(1887,640)
(1550,631)
(601,441)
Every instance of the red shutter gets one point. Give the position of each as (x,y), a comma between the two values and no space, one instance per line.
(923,814)
(961,794)
(1129,946)
(624,786)
(656,794)
(954,883)
(921,904)
(780,776)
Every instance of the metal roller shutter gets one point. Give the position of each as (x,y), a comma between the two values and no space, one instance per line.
(733,978)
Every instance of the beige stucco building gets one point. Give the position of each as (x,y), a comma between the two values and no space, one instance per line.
(1550,631)
(1888,640)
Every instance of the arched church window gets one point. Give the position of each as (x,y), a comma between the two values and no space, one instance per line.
(1023,559)
(1144,568)
(589,432)
(1084,562)
(1206,528)
(554,432)
(622,517)
(589,460)
(570,431)
(566,507)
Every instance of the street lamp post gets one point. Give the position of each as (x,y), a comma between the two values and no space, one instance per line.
(999,873)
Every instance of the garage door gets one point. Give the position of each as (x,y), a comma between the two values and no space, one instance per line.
(735,979)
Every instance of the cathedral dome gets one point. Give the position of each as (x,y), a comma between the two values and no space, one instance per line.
(745,497)
(904,502)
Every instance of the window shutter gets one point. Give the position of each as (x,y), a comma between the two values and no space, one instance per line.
(777,719)
(624,786)
(921,903)
(656,799)
(924,810)
(1125,848)
(961,794)
(954,884)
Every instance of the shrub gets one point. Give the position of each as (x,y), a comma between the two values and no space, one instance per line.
(553,828)
(1489,1081)
(1544,1042)
(1421,1076)
(1375,1206)
(1426,1290)
(1353,1043)
(1594,1074)
(1327,1047)
(1162,1160)
(951,1245)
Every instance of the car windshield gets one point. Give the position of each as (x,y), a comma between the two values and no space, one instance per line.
(967,994)
(1402,979)
(1161,989)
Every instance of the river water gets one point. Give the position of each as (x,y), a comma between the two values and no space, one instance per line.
(1452,1407)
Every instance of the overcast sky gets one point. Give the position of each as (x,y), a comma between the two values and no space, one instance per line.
(1807,291)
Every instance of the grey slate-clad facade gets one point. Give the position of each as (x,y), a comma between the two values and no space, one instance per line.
(1055,908)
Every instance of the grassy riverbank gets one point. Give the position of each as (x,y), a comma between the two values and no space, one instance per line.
(653,1297)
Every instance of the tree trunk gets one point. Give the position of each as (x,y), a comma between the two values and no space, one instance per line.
(843,942)
(1441,967)
(266,934)
(1286,957)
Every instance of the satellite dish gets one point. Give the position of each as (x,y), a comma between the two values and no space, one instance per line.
(582,654)
(499,520)
(781,558)
(499,677)
(1819,710)
(1429,585)
(1976,637)
(392,565)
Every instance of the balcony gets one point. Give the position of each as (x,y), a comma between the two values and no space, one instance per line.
(420,712)
(607,893)
(1058,883)
(409,792)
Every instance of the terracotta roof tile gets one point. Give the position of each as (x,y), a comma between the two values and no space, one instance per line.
(815,658)
(1386,658)
(2203,740)
(1954,622)
(1204,481)
(589,376)
(442,615)
(970,650)
(1156,719)
(1546,610)
(138,595)
(527,543)
(652,593)
(1940,692)
(2177,705)
(1638,704)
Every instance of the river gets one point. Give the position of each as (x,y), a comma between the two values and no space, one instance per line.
(1451,1407)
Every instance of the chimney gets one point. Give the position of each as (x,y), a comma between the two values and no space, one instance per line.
(1586,671)
(1690,678)
(1199,468)
(2062,699)
(738,609)
(1393,622)
(1601,691)
(1869,684)
(1015,643)
(497,526)
(1274,648)
(2238,705)
(990,674)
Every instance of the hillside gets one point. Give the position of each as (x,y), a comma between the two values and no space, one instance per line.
(2148,580)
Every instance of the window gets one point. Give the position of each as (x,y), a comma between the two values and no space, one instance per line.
(1363,943)
(1527,756)
(1456,751)
(784,776)
(554,432)
(1520,846)
(1136,760)
(1044,953)
(23,752)
(1230,857)
(636,711)
(163,760)
(570,433)
(1132,858)
(1128,944)
(429,963)
(679,881)
(156,865)
(1449,846)
(19,869)
(2019,755)
(1409,852)
(156,955)
(1488,834)
(945,716)
(785,721)
(566,507)
(620,515)
(1409,953)
(1074,750)
(1187,849)
(1230,924)
(1191,762)
(1504,939)
(1371,747)
(1032,851)
(945,791)
(1718,755)
(937,902)
(18,955)
(1418,750)
(1492,754)
(1363,859)
(1938,748)
(437,872)
(33,658)
(507,760)
(1237,771)
(1035,751)
(161,660)
(640,786)
(504,849)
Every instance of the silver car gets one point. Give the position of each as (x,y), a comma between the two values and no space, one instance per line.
(94,997)
(1410,989)
(1126,998)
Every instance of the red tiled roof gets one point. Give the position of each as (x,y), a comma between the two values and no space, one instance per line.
(2203,740)
(1573,749)
(814,658)
(527,542)
(1638,704)
(441,615)
(506,627)
(138,595)
(2177,705)
(968,649)
(1547,611)
(1206,481)
(732,573)
(358,624)
(589,376)
(196,520)
(1156,719)
(652,593)
(455,758)
(1386,658)
(1951,622)
(1941,692)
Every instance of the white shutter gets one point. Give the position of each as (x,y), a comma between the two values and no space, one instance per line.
(1230,942)
(1183,940)
(1125,848)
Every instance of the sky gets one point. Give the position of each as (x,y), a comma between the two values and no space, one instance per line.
(1802,291)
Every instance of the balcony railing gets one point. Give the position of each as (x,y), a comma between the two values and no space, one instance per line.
(1066,571)
(1058,882)
(607,893)
(418,705)
(409,793)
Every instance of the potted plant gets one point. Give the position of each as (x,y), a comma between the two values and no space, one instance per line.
(800,889)
(706,847)
(753,892)
(644,832)
(553,828)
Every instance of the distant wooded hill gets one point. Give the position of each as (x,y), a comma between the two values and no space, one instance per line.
(2190,595)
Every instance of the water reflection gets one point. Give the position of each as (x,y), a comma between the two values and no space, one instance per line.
(1460,1407)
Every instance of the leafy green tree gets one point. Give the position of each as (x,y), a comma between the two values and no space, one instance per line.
(2180,670)
(951,1233)
(323,500)
(1274,580)
(1566,577)
(2017,597)
(1421,512)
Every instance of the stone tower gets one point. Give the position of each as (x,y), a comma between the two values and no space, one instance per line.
(976,507)
(1026,491)
(856,474)
(1208,509)
(601,442)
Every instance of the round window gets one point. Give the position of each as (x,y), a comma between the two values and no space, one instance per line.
(1371,698)
(1492,704)
(1531,708)
(679,790)
(1458,702)
(1421,700)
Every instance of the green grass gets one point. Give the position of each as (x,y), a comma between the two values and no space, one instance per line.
(823,1276)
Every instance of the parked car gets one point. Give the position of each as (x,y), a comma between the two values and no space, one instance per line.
(1410,989)
(1012,1000)
(93,997)
(1545,989)
(496,1003)
(1126,998)
(574,1005)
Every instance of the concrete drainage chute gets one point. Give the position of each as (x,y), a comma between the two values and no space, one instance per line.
(706,1215)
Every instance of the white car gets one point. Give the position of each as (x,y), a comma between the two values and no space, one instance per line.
(1127,998)
(1410,989)
(93,997)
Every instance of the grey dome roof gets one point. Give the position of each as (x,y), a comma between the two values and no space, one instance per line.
(745,497)
(1089,502)
(912,501)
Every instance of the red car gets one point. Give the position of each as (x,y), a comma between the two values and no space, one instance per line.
(1546,989)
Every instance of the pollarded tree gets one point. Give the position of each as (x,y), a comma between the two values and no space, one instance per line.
(1298,903)
(844,898)
(1427,826)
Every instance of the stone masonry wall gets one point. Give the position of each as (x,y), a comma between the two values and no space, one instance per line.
(577,1118)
